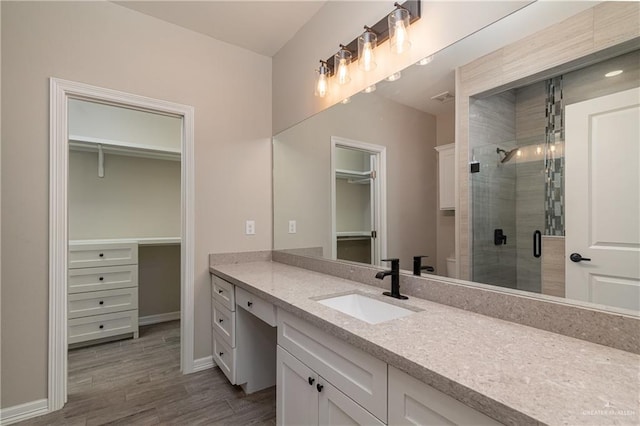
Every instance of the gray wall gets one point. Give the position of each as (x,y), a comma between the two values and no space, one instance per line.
(104,44)
(445,219)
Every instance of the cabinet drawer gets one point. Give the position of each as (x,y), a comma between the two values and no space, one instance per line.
(99,326)
(225,357)
(92,255)
(224,323)
(258,307)
(223,292)
(105,278)
(354,372)
(412,402)
(102,302)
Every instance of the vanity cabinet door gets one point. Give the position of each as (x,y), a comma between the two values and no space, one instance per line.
(297,394)
(335,408)
(412,402)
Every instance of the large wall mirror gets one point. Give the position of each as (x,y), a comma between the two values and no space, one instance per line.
(521,184)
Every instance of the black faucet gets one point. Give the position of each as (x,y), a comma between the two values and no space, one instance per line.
(418,268)
(395,278)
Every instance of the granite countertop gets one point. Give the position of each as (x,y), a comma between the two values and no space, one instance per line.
(513,373)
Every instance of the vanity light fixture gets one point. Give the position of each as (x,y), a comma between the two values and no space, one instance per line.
(425,61)
(395,76)
(367,43)
(341,61)
(322,83)
(398,29)
(613,73)
(370,89)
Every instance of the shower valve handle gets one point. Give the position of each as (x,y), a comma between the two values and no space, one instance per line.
(577,257)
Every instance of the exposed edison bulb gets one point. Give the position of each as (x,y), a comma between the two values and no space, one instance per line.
(367,62)
(343,72)
(552,148)
(342,60)
(322,84)
(367,43)
(519,153)
(539,150)
(398,30)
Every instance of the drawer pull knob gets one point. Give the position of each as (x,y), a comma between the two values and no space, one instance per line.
(311,380)
(102,302)
(220,320)
(319,387)
(219,291)
(220,353)
(101,255)
(101,326)
(249,304)
(101,278)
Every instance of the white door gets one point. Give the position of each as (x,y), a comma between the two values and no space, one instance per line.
(603,200)
(297,395)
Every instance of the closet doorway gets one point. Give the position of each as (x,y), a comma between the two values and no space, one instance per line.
(358,201)
(121,221)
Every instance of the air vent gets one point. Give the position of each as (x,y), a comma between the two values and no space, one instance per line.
(443,97)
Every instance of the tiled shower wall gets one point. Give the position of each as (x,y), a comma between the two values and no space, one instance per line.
(492,125)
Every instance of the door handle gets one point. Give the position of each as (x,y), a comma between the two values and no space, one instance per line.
(537,243)
(577,257)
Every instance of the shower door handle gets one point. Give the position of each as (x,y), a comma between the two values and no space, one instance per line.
(537,243)
(577,257)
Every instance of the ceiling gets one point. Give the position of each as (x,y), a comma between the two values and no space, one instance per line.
(260,26)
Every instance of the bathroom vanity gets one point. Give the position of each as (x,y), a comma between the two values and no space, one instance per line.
(438,362)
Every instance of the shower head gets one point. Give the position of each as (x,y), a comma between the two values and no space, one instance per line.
(507,155)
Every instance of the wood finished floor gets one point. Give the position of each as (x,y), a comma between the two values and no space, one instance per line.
(138,382)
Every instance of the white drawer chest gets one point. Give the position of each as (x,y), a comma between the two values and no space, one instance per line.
(102,290)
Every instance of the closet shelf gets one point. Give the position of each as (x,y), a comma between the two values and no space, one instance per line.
(354,176)
(85,143)
(353,235)
(144,241)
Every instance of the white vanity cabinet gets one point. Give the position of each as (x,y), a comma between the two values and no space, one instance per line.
(243,336)
(102,290)
(412,402)
(353,384)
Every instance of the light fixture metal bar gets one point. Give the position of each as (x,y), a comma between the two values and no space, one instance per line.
(381,28)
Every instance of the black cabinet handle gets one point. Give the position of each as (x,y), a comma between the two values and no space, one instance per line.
(221,320)
(101,326)
(249,304)
(101,278)
(220,353)
(102,302)
(577,257)
(311,380)
(101,255)
(537,243)
(319,387)
(220,291)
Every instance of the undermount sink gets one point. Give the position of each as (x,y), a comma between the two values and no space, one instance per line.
(365,308)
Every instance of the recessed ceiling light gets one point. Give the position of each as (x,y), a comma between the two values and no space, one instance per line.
(370,89)
(613,73)
(425,61)
(394,76)
(345,100)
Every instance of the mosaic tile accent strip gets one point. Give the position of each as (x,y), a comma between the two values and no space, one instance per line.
(554,158)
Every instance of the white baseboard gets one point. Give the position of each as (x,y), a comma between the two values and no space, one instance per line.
(24,411)
(203,363)
(154,319)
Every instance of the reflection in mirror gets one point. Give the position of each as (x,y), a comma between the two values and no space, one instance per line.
(520,196)
(543,171)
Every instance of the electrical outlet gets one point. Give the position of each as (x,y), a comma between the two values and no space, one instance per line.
(292,227)
(250,227)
